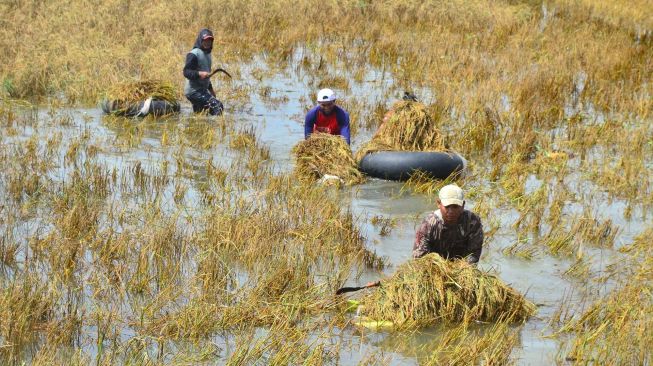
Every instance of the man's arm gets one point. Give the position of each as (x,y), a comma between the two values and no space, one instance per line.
(309,122)
(343,121)
(475,239)
(191,66)
(421,244)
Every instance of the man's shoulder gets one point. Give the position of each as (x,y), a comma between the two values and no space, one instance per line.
(434,218)
(341,111)
(313,111)
(471,216)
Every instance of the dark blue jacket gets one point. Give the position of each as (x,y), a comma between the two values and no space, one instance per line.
(341,116)
(191,71)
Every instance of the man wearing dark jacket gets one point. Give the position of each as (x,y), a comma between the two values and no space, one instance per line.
(451,231)
(198,88)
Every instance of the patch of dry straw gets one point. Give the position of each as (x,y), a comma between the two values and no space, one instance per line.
(130,92)
(431,289)
(323,154)
(409,127)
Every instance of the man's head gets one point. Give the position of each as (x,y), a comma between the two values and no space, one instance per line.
(207,41)
(204,40)
(326,98)
(451,202)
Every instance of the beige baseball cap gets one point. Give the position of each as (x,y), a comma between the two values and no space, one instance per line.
(451,195)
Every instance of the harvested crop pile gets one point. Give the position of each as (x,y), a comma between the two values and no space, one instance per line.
(431,289)
(128,98)
(408,127)
(323,154)
(138,91)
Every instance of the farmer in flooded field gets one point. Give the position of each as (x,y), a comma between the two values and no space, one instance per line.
(451,231)
(407,97)
(327,117)
(198,88)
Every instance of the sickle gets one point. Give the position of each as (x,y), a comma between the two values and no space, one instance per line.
(222,71)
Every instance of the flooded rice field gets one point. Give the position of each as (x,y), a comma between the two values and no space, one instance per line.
(192,239)
(186,240)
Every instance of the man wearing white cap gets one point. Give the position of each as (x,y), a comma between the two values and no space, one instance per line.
(327,117)
(451,231)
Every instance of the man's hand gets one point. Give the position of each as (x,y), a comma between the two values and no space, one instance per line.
(373,284)
(203,74)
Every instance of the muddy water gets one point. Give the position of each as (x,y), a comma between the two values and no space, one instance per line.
(280,126)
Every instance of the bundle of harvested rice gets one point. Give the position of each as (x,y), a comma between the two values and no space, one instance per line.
(141,98)
(323,154)
(431,289)
(408,127)
(138,91)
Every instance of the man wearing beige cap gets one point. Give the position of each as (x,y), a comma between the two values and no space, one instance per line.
(451,231)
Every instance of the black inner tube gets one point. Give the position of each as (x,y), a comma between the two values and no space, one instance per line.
(400,165)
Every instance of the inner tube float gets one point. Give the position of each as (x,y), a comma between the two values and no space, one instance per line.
(148,107)
(400,165)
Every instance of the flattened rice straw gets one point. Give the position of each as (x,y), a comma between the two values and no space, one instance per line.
(431,289)
(409,128)
(323,154)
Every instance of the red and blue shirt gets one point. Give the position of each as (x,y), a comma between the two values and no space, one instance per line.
(335,123)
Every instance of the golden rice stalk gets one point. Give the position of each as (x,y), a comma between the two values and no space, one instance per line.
(323,154)
(137,91)
(421,182)
(409,127)
(431,289)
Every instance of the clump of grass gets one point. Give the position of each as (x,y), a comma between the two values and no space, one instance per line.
(521,249)
(408,128)
(431,289)
(386,224)
(25,306)
(324,154)
(422,182)
(463,345)
(617,329)
(580,269)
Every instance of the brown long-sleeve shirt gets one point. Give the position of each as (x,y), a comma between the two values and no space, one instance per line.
(462,240)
